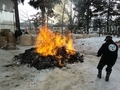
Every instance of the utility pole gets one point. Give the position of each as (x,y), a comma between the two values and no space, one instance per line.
(108,16)
(17,21)
(63,15)
(71,18)
(87,16)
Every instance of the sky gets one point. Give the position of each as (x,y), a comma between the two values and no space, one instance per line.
(25,11)
(77,76)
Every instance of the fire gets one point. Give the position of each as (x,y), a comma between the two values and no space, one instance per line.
(51,49)
(49,42)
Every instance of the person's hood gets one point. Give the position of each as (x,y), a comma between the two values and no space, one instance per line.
(107,38)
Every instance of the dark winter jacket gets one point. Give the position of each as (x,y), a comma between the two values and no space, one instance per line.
(108,52)
(18,33)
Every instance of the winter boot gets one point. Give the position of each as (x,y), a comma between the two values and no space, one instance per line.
(99,74)
(107,76)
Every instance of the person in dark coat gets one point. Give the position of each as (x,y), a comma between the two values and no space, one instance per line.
(109,53)
(17,34)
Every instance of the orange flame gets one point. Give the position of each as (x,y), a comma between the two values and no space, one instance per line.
(48,42)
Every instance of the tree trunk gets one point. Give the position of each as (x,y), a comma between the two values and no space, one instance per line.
(43,18)
(16,15)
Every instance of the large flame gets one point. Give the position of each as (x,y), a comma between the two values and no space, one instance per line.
(48,42)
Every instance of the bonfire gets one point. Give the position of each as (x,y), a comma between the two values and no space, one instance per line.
(51,49)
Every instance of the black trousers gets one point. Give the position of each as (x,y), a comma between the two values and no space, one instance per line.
(102,64)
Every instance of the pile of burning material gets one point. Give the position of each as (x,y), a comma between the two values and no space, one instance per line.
(51,50)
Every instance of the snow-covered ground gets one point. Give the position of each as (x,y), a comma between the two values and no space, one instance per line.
(77,76)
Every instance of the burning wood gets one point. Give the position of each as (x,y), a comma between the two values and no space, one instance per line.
(51,50)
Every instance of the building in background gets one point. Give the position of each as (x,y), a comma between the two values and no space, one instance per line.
(7,17)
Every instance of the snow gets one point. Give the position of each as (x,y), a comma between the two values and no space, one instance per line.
(91,45)
(77,76)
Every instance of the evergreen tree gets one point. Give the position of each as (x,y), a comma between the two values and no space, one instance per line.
(88,9)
